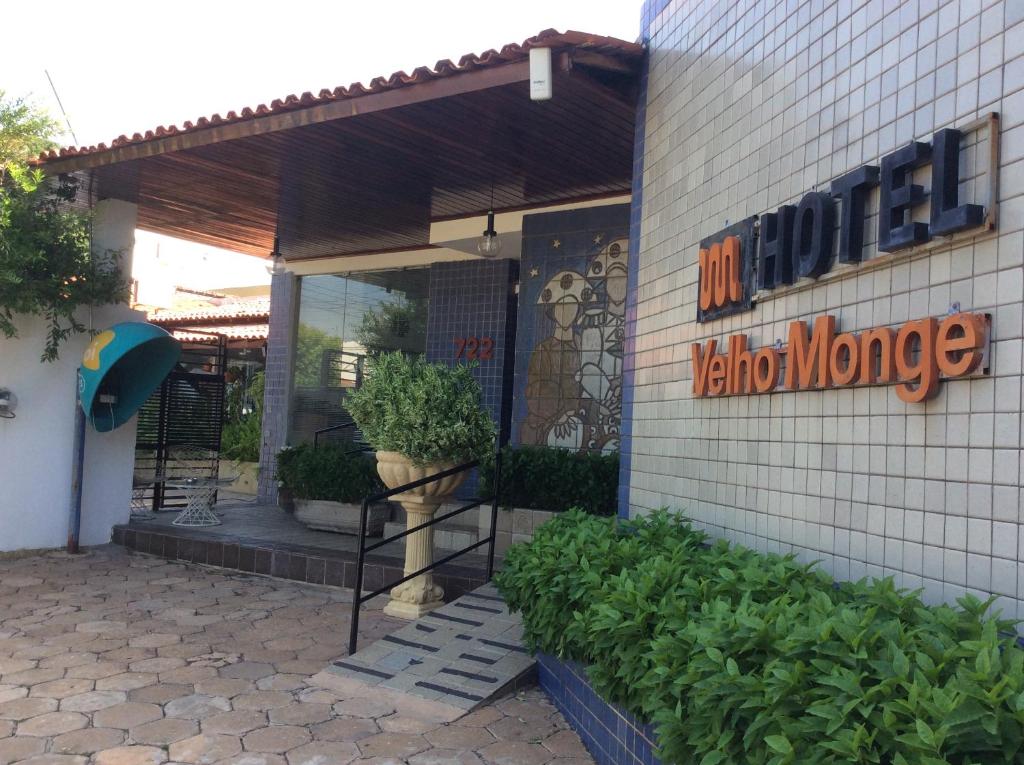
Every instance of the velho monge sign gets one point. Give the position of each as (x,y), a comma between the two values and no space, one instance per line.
(914,358)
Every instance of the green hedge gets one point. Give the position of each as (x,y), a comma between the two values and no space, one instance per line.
(543,478)
(328,472)
(750,659)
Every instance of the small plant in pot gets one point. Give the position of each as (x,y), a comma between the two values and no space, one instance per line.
(422,418)
(328,485)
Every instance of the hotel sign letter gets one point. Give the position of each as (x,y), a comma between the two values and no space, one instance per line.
(796,241)
(726,274)
(914,358)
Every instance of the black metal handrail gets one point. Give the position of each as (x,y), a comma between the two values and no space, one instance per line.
(331,429)
(357,596)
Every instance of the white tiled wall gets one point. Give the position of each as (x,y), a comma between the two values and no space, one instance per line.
(750,105)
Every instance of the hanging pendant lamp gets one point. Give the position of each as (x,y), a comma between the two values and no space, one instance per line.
(489,244)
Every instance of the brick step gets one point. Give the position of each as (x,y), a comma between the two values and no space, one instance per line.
(266,540)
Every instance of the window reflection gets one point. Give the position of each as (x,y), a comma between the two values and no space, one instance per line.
(345,319)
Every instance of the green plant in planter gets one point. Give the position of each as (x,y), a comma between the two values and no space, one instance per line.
(329,472)
(428,413)
(547,478)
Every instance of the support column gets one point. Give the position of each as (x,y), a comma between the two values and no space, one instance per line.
(413,599)
(113,228)
(284,290)
(109,457)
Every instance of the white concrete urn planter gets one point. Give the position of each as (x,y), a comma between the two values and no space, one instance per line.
(412,599)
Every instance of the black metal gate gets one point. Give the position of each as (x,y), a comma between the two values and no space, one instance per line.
(179,427)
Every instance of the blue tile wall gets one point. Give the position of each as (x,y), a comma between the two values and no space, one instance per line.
(651,9)
(611,734)
(476,298)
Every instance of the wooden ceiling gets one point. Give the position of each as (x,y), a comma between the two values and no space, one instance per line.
(374,178)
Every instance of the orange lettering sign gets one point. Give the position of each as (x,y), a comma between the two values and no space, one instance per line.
(916,364)
(877,355)
(807,365)
(701,366)
(913,358)
(720,274)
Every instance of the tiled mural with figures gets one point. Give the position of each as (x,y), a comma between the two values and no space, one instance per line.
(570,334)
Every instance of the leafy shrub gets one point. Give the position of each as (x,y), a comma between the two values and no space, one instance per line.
(741,658)
(329,472)
(47,267)
(543,478)
(242,434)
(429,413)
(241,439)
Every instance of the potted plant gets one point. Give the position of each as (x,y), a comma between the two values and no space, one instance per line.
(328,484)
(423,419)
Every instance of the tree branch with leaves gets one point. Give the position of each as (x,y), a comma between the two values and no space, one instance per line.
(47,266)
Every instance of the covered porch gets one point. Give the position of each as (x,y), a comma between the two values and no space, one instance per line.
(369,200)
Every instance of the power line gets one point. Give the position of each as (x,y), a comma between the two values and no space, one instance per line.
(54,89)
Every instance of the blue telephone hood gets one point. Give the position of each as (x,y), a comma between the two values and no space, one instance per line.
(126,362)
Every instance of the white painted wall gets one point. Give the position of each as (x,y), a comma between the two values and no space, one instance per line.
(35,447)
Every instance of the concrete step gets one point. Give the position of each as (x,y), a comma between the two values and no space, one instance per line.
(444,665)
(446,537)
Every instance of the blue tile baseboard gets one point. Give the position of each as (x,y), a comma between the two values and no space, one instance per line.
(612,735)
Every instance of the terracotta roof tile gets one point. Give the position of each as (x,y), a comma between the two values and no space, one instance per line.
(549,38)
(258,308)
(235,332)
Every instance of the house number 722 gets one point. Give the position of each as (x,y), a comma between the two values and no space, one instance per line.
(474,348)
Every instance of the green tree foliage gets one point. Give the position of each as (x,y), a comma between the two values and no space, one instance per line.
(25,132)
(310,345)
(740,658)
(394,327)
(242,434)
(429,413)
(47,268)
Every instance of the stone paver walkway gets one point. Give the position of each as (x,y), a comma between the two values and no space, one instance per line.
(111,658)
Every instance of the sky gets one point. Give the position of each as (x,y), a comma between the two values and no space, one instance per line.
(124,67)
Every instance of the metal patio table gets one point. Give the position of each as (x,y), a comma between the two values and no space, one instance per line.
(199,494)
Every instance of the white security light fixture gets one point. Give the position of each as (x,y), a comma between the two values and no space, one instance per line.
(540,74)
